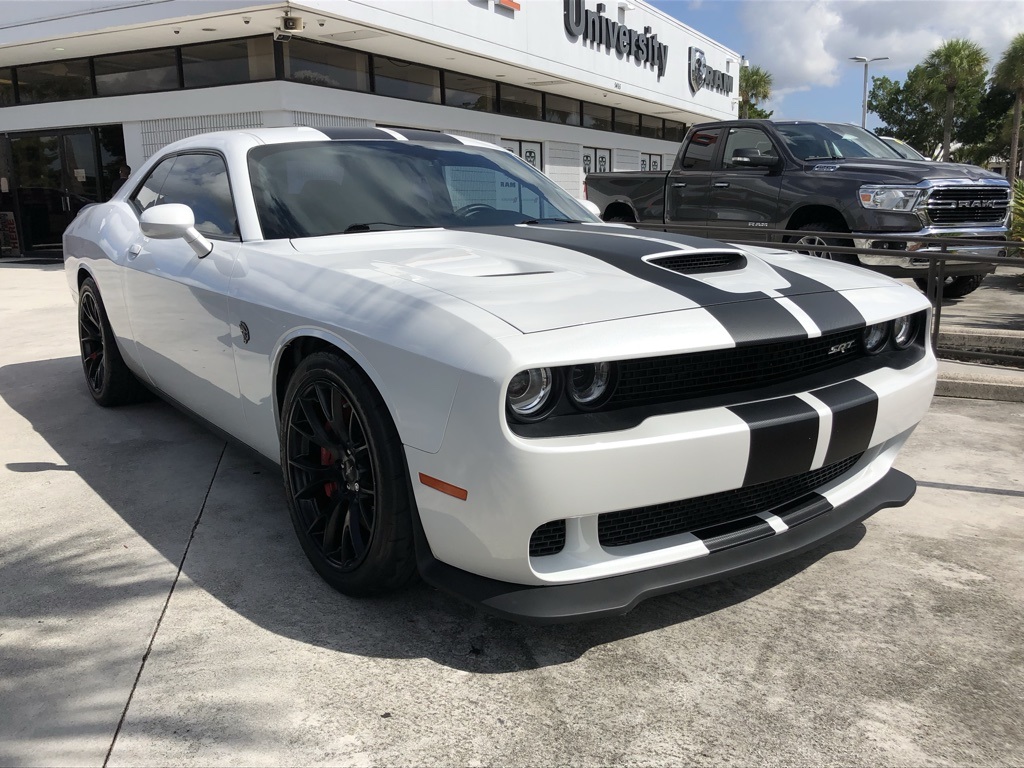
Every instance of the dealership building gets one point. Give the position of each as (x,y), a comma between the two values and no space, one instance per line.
(568,85)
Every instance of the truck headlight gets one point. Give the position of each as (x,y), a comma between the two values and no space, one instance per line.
(889,198)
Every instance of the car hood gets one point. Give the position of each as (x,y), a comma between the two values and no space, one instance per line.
(889,171)
(540,277)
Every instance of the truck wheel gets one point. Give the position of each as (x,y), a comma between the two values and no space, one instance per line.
(954,287)
(819,246)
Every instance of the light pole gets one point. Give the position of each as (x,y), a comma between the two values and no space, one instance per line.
(864,105)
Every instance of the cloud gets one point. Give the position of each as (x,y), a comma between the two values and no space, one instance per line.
(808,42)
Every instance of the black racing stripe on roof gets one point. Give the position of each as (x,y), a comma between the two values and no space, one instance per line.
(750,318)
(828,308)
(338,134)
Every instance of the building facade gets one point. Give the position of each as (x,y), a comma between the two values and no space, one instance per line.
(568,85)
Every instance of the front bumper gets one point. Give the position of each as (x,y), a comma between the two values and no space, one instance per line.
(619,594)
(910,256)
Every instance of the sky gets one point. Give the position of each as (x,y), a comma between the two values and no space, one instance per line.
(806,44)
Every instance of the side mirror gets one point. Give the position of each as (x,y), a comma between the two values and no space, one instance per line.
(591,206)
(752,158)
(171,221)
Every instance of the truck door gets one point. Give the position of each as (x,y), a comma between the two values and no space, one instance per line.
(688,187)
(745,193)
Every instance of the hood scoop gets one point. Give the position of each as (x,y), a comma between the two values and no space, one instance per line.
(701,262)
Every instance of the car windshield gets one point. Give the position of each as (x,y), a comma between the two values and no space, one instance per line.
(833,141)
(310,189)
(905,151)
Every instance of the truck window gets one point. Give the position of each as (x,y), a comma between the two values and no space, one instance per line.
(746,138)
(701,150)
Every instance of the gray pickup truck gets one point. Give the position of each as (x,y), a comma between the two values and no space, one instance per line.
(823,178)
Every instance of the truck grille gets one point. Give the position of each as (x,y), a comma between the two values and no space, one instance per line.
(967,205)
(631,526)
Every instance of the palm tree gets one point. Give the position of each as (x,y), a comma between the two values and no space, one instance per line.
(1009,74)
(755,87)
(953,66)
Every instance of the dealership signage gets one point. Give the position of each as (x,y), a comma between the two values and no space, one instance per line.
(596,28)
(703,76)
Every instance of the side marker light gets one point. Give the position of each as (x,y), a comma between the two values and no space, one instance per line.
(440,485)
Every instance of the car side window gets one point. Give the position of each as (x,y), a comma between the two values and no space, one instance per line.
(701,150)
(148,194)
(746,139)
(200,181)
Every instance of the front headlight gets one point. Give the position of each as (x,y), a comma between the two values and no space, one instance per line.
(529,393)
(889,198)
(875,337)
(904,329)
(590,384)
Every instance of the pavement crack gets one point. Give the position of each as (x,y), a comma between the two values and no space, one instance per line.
(163,611)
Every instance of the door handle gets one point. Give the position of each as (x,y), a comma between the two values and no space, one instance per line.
(678,184)
(721,184)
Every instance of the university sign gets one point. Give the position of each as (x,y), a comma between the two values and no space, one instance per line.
(594,27)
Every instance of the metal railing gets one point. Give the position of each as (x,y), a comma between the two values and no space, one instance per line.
(935,275)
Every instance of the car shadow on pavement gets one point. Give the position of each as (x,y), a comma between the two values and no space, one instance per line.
(154,467)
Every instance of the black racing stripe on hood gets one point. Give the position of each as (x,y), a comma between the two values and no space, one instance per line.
(750,318)
(828,308)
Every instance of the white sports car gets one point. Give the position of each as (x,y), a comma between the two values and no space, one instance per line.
(464,374)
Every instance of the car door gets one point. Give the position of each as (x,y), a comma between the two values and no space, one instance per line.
(688,187)
(744,196)
(177,302)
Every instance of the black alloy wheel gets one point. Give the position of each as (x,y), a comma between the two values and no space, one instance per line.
(954,287)
(345,477)
(109,380)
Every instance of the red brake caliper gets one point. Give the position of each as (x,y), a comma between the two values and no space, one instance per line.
(327,459)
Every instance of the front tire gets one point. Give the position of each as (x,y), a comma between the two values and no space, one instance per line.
(109,380)
(954,287)
(345,478)
(820,246)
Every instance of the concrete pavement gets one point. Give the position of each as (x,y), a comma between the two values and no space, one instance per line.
(155,605)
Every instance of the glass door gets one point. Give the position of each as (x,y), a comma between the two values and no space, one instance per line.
(56,175)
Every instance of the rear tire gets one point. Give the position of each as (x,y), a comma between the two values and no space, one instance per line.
(345,478)
(954,287)
(819,246)
(108,378)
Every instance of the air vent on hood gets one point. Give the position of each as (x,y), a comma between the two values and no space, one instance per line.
(701,261)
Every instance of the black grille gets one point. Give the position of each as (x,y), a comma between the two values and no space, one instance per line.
(969,205)
(548,539)
(721,371)
(631,526)
(701,262)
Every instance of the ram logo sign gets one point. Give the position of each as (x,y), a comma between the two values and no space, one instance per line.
(703,76)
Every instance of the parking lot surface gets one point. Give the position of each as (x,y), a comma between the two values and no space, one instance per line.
(155,609)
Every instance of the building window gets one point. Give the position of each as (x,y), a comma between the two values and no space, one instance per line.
(652,127)
(519,102)
(6,87)
(627,122)
(650,162)
(674,131)
(596,160)
(560,109)
(228,61)
(405,80)
(325,65)
(55,81)
(468,92)
(136,72)
(597,117)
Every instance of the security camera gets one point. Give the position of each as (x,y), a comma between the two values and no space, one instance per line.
(281,36)
(177,31)
(321,22)
(246,19)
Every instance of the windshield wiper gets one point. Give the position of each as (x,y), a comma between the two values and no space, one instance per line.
(370,226)
(559,221)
